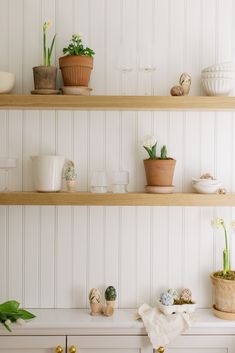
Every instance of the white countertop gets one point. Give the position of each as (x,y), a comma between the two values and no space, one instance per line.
(80,322)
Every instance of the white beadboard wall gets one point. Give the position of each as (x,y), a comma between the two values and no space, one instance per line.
(51,256)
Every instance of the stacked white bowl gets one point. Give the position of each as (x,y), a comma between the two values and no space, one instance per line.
(219,79)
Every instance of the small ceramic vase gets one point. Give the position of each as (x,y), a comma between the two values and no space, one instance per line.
(185,82)
(71,185)
(107,310)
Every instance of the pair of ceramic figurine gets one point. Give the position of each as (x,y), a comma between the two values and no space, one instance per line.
(95,301)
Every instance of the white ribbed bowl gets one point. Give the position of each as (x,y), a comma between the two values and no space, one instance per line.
(7,81)
(226,66)
(218,74)
(217,86)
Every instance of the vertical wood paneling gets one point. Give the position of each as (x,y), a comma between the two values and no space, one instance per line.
(3,147)
(69,250)
(31,266)
(80,258)
(15,254)
(128,258)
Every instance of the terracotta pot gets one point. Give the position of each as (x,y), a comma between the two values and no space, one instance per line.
(76,70)
(159,172)
(223,293)
(44,77)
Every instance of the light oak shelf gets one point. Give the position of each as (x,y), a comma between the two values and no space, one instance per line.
(110,199)
(64,102)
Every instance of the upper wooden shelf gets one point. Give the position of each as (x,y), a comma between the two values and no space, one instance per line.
(64,102)
(110,199)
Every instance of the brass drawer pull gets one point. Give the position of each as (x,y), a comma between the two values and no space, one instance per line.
(160,350)
(59,349)
(72,349)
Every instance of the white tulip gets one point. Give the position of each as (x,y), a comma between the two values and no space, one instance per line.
(20,321)
(149,141)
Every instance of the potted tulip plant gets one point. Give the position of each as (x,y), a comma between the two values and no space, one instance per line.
(159,170)
(45,75)
(223,282)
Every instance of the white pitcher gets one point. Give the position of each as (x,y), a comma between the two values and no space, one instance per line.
(47,172)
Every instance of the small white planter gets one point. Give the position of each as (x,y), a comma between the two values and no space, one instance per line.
(47,172)
(170,309)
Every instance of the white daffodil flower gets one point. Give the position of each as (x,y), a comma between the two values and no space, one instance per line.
(217,222)
(47,25)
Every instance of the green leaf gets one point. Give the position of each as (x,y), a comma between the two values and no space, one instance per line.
(9,306)
(25,315)
(6,326)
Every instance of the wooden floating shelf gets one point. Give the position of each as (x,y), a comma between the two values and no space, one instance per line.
(66,102)
(110,199)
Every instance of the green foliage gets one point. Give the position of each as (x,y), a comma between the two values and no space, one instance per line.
(10,312)
(47,52)
(163,152)
(77,48)
(110,293)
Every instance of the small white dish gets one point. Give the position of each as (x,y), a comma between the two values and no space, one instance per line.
(159,189)
(206,188)
(225,66)
(179,308)
(7,82)
(76,90)
(218,86)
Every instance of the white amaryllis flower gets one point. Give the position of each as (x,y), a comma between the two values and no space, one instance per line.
(217,222)
(47,24)
(149,141)
(20,322)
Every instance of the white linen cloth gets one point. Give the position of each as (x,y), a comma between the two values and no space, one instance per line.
(161,328)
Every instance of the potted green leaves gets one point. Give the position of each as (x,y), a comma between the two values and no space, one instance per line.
(159,170)
(77,63)
(11,313)
(45,75)
(110,296)
(223,282)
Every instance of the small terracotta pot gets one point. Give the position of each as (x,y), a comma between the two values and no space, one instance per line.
(44,77)
(111,303)
(76,70)
(159,172)
(71,185)
(223,293)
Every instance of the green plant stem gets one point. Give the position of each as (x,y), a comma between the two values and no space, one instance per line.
(44,47)
(226,251)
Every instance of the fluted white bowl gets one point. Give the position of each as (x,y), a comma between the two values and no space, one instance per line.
(217,86)
(7,81)
(225,66)
(218,74)
(206,188)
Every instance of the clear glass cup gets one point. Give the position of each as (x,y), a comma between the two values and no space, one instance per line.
(5,165)
(99,182)
(120,180)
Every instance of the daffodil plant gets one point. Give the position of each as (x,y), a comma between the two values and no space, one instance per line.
(219,223)
(150,145)
(10,313)
(47,52)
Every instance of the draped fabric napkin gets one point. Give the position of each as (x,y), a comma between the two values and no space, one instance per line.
(161,328)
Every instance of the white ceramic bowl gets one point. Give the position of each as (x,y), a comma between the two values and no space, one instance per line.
(225,66)
(217,86)
(7,81)
(206,188)
(218,74)
(171,309)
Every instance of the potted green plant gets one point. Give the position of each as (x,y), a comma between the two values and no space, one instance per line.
(70,176)
(45,75)
(159,170)
(223,281)
(110,296)
(77,63)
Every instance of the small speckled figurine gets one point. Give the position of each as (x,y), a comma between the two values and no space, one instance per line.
(186,295)
(110,296)
(173,292)
(166,299)
(185,82)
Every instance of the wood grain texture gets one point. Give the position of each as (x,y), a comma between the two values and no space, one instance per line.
(66,102)
(110,199)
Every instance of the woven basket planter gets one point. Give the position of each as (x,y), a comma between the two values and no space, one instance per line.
(223,294)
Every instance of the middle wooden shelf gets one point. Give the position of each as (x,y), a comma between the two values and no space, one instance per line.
(110,199)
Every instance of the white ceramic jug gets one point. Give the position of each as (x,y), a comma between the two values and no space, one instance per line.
(47,172)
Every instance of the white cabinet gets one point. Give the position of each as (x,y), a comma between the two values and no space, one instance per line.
(32,344)
(109,344)
(203,344)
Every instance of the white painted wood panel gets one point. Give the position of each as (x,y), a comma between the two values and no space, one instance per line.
(52,256)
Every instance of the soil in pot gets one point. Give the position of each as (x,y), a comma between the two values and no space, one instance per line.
(159,172)
(76,70)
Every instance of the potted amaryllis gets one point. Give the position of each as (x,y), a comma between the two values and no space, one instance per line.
(223,281)
(77,63)
(159,169)
(45,75)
